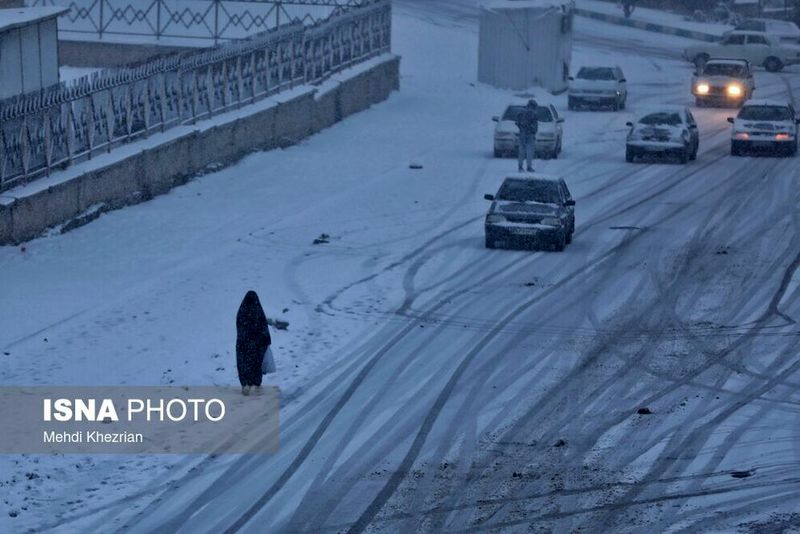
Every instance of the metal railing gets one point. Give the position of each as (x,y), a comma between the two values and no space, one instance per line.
(64,124)
(187,20)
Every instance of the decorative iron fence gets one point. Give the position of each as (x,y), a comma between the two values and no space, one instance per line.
(190,21)
(68,123)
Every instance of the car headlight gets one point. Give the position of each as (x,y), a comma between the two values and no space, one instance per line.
(783,136)
(551,221)
(744,136)
(734,90)
(494,219)
(702,88)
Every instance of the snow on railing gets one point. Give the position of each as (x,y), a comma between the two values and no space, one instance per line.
(66,123)
(186,20)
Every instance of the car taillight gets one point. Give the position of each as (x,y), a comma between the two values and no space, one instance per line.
(742,135)
(782,137)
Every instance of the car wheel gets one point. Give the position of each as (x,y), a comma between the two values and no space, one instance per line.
(561,243)
(693,155)
(615,106)
(568,238)
(629,154)
(736,150)
(700,60)
(773,64)
(684,155)
(490,241)
(570,103)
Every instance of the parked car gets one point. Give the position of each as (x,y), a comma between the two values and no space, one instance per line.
(765,124)
(723,82)
(598,86)
(531,209)
(667,130)
(548,139)
(786,31)
(759,48)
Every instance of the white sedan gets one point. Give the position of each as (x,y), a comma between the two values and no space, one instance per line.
(548,138)
(667,130)
(765,124)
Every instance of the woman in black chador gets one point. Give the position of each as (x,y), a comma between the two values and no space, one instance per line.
(252,340)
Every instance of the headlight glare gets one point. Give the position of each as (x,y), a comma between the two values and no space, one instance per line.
(734,90)
(702,88)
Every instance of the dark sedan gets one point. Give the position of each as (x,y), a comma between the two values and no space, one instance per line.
(531,209)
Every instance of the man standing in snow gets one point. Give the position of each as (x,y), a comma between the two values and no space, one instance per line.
(528,125)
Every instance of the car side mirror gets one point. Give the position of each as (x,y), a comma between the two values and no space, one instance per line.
(623,80)
(496,119)
(569,203)
(629,124)
(692,126)
(797,121)
(570,78)
(489,197)
(730,120)
(560,120)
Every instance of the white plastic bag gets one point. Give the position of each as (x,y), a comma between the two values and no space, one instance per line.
(268,363)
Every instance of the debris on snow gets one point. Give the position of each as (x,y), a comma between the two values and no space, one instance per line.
(741,474)
(560,443)
(644,411)
(279,324)
(322,239)
(415,166)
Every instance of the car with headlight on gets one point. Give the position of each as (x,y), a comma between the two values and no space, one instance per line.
(765,125)
(667,130)
(598,86)
(723,82)
(548,138)
(531,209)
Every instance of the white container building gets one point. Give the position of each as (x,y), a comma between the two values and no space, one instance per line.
(525,43)
(28,49)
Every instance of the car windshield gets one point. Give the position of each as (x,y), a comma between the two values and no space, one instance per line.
(542,113)
(723,69)
(596,73)
(667,118)
(765,113)
(518,190)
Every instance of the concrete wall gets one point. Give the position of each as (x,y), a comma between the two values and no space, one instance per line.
(106,55)
(156,170)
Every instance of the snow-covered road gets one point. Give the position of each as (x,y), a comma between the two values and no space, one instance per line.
(429,383)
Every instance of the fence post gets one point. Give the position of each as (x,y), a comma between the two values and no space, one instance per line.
(70,132)
(158,20)
(48,142)
(162,88)
(216,21)
(90,123)
(102,24)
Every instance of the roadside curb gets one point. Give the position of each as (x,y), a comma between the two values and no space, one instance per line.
(647,26)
